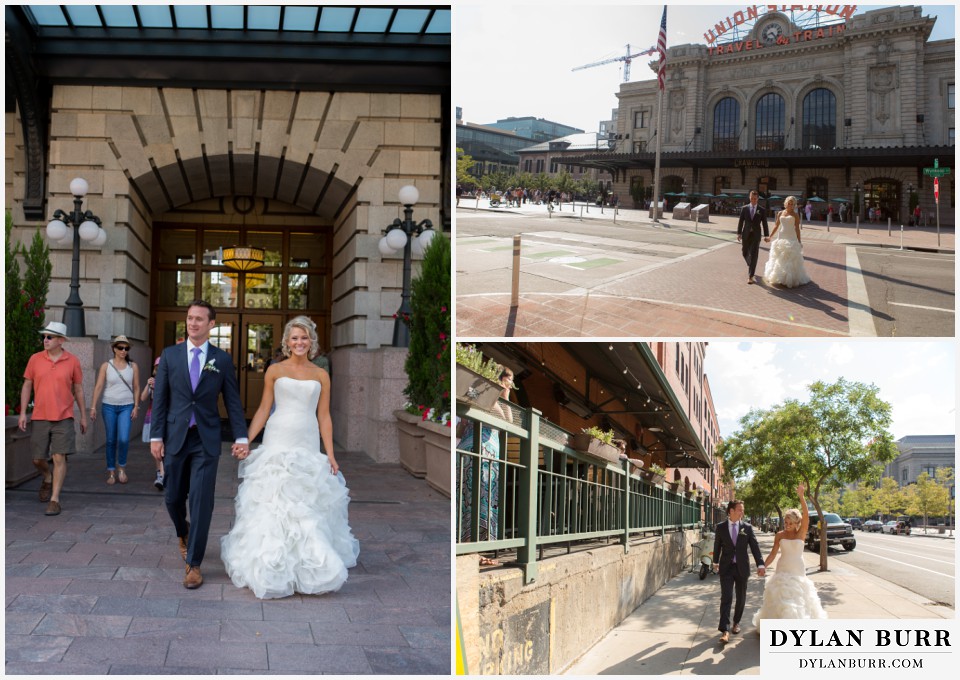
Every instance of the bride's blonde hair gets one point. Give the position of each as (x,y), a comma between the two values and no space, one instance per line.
(304,323)
(788,200)
(793,514)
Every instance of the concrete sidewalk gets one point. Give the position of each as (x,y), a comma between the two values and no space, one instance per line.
(675,631)
(98,589)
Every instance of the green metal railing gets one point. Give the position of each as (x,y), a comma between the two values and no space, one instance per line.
(519,486)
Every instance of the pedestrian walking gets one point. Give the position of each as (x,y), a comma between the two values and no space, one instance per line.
(752,218)
(118,380)
(146,397)
(56,380)
(732,548)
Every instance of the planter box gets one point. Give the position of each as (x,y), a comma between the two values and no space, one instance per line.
(17,447)
(584,443)
(473,388)
(410,437)
(438,453)
(656,480)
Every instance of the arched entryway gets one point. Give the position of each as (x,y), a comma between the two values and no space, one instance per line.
(883,194)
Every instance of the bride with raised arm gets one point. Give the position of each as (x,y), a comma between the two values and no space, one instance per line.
(789,594)
(291,532)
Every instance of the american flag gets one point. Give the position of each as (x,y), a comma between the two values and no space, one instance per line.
(662,48)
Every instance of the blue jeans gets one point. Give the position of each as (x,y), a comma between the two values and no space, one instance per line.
(117,421)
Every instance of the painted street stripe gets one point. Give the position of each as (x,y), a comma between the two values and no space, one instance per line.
(592,264)
(932,309)
(905,564)
(858,304)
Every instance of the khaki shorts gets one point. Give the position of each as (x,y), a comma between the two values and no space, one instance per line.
(52,436)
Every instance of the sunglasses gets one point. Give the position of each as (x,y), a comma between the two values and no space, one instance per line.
(122,348)
(49,337)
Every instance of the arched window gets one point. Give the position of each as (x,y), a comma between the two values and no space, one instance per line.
(770,123)
(726,121)
(819,120)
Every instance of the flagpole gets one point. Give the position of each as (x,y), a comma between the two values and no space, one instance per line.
(656,163)
(661,76)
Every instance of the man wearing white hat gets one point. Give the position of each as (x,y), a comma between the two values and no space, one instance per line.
(55,377)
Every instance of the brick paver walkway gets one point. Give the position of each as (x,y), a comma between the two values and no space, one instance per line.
(97,590)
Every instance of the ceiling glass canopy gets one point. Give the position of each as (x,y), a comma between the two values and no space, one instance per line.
(423,20)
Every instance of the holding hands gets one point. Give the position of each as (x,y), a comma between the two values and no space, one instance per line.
(240,451)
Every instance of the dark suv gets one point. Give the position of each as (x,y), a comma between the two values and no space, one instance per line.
(855,522)
(838,533)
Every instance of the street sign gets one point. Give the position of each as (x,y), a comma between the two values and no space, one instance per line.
(936,170)
(936,189)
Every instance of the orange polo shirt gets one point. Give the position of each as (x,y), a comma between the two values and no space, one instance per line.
(53,383)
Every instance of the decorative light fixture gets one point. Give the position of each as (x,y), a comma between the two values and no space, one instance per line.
(253,279)
(400,235)
(68,229)
(243,258)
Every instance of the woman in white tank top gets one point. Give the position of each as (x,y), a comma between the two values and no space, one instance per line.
(118,380)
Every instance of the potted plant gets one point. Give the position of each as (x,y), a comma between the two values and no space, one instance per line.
(412,455)
(477,377)
(428,360)
(656,474)
(26,299)
(595,442)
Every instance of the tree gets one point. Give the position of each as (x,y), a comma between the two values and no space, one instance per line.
(565,183)
(945,477)
(888,499)
(928,498)
(839,436)
(856,502)
(542,181)
(26,299)
(464,163)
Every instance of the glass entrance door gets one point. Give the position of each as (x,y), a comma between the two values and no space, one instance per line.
(261,337)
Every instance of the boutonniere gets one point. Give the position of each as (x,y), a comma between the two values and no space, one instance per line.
(211,366)
(742,532)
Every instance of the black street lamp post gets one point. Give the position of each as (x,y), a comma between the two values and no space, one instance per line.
(399,235)
(71,227)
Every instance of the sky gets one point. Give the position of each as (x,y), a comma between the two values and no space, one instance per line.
(512,59)
(918,379)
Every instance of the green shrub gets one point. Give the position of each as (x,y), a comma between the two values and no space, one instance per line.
(428,360)
(26,299)
(470,357)
(606,436)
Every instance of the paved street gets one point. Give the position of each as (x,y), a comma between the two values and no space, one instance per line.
(581,274)
(97,590)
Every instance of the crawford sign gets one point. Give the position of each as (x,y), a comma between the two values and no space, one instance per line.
(771,32)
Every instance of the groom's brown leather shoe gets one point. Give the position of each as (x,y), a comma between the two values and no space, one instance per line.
(725,637)
(735,629)
(183,547)
(192,579)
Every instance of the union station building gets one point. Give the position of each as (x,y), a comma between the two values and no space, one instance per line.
(831,105)
(247,155)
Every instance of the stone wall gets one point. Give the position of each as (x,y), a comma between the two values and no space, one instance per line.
(543,627)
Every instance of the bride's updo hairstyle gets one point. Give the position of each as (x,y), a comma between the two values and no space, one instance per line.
(303,323)
(790,199)
(793,514)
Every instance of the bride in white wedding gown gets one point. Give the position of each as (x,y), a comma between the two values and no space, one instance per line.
(291,532)
(785,263)
(789,594)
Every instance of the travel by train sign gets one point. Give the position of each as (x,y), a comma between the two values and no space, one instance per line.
(776,25)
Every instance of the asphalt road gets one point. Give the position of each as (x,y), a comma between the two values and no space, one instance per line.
(914,292)
(925,565)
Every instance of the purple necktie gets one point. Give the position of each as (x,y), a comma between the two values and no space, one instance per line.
(194,378)
(733,537)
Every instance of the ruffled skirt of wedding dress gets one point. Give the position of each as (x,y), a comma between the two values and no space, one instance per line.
(788,596)
(291,532)
(785,264)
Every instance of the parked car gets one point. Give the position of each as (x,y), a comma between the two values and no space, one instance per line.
(838,532)
(855,522)
(898,527)
(873,525)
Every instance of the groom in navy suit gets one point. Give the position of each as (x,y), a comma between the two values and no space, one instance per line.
(732,538)
(752,218)
(186,425)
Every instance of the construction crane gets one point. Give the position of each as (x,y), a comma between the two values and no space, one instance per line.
(626,59)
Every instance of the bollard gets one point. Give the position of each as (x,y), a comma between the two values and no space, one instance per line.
(515,287)
(901,233)
(581,213)
(616,209)
(889,220)
(858,224)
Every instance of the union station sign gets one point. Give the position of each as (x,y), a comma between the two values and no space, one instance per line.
(774,29)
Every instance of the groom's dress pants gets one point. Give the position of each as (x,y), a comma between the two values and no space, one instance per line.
(732,581)
(191,475)
(751,249)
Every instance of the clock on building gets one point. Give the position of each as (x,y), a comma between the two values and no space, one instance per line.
(771,31)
